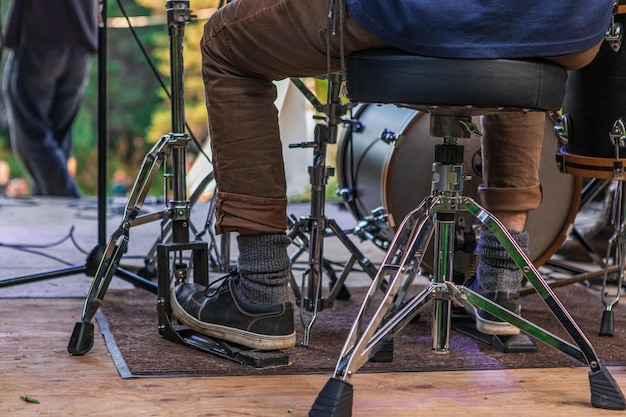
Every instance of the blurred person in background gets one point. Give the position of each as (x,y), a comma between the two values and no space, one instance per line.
(51,43)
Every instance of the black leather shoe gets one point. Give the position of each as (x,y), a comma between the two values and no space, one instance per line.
(221,314)
(486,322)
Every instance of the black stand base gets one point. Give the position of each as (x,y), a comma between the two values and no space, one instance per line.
(605,392)
(89,268)
(231,351)
(344,293)
(335,399)
(81,340)
(606,328)
(384,354)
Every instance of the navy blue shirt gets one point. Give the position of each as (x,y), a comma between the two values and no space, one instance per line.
(486,28)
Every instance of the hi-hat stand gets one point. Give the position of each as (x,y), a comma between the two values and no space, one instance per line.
(179,259)
(380,318)
(308,232)
(614,261)
(91,263)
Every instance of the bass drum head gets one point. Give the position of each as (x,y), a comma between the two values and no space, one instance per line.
(397,175)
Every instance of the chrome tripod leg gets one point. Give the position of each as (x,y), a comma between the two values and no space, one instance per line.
(605,393)
(82,337)
(397,272)
(617,250)
(113,252)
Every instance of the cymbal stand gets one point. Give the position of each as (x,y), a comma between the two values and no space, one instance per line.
(392,312)
(616,249)
(308,232)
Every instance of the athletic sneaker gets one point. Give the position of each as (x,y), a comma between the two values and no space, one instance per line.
(486,322)
(220,313)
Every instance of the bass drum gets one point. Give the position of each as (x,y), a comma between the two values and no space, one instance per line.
(396,175)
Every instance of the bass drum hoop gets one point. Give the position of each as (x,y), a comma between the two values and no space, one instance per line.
(374,184)
(592,166)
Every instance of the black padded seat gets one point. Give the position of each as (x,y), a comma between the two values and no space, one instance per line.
(454,86)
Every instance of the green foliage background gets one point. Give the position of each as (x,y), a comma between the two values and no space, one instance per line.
(138,108)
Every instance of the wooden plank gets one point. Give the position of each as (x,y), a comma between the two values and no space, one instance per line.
(34,361)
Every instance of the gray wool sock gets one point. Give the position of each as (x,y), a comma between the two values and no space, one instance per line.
(263,265)
(496,270)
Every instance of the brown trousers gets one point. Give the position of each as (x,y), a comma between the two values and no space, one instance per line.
(249,43)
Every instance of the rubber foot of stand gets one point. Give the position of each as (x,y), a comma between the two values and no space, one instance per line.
(384,354)
(148,272)
(343,293)
(605,392)
(82,337)
(606,328)
(334,400)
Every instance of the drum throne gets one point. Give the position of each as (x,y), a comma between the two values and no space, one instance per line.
(451,91)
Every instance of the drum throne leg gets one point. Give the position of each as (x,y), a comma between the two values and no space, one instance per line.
(380,318)
(308,232)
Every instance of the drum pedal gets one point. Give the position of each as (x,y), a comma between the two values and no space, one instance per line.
(519,343)
(234,352)
(183,334)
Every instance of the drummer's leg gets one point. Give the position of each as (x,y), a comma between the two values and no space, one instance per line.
(246,45)
(511,154)
(511,151)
